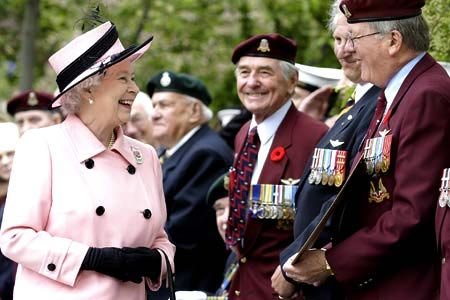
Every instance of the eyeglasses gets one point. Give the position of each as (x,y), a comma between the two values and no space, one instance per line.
(352,39)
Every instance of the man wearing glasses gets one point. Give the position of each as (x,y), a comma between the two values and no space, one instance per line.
(384,244)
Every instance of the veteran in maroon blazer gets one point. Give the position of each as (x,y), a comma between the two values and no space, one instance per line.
(271,152)
(388,250)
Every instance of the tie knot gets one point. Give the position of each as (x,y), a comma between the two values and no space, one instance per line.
(253,136)
(382,100)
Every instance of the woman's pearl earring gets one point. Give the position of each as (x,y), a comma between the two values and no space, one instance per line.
(91,101)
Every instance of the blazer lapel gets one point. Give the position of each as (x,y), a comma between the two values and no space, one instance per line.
(424,64)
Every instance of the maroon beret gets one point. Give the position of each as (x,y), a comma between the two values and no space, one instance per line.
(358,11)
(29,100)
(272,45)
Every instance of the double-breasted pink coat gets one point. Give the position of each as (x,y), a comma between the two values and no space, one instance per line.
(67,193)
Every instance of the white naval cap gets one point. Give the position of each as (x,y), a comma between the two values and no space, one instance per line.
(316,77)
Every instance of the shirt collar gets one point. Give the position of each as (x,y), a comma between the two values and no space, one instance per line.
(361,89)
(268,127)
(86,143)
(183,140)
(396,82)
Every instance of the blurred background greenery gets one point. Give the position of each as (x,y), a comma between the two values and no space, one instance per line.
(192,36)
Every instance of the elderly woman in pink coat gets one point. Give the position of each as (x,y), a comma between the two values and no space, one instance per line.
(85,210)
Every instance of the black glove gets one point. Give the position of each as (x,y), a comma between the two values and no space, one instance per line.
(126,264)
(144,261)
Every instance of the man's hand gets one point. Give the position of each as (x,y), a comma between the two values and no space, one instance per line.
(316,104)
(310,269)
(281,286)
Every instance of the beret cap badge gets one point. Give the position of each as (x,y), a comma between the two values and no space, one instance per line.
(32,100)
(165,79)
(264,46)
(347,13)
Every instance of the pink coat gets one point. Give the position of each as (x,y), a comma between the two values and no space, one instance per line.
(53,213)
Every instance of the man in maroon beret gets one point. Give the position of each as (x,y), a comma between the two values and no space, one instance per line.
(30,109)
(383,242)
(271,152)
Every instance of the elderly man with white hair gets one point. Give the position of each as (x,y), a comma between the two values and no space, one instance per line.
(195,156)
(140,125)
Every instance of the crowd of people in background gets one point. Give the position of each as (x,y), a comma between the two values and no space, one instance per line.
(325,184)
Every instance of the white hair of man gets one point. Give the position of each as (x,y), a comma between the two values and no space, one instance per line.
(145,101)
(333,15)
(414,31)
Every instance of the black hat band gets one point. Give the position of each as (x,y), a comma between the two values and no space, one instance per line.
(87,59)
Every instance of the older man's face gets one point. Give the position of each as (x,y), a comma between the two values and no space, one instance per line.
(372,52)
(6,159)
(345,54)
(140,125)
(261,85)
(171,115)
(30,119)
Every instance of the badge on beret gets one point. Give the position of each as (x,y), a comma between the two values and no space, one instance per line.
(165,79)
(32,100)
(347,13)
(137,155)
(264,46)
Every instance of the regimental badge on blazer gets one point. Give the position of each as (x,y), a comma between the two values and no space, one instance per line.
(328,167)
(378,192)
(444,196)
(377,153)
(137,155)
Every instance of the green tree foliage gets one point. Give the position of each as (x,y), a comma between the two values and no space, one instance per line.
(192,36)
(437,13)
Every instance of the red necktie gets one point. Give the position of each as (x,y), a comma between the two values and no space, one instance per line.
(243,165)
(378,115)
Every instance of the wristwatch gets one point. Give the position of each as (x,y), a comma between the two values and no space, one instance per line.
(327,265)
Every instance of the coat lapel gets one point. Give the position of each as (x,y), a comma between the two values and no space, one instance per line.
(424,64)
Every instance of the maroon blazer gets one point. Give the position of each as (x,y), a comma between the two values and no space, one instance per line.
(392,255)
(297,134)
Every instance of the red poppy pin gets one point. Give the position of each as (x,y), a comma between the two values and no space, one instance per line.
(277,154)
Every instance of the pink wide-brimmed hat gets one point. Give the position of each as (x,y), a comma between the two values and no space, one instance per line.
(89,54)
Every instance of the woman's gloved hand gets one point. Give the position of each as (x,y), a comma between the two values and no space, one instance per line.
(144,261)
(125,264)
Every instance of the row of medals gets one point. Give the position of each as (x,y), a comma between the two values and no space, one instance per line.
(270,207)
(328,167)
(444,197)
(377,154)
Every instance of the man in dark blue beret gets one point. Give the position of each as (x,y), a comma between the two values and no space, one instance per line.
(195,156)
(271,152)
(30,109)
(383,242)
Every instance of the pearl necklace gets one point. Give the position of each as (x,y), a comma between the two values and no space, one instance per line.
(112,140)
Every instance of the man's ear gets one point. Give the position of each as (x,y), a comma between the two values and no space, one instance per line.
(196,113)
(395,42)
